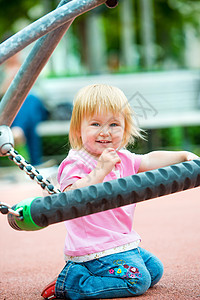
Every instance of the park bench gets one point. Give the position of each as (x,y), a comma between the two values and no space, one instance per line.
(160,99)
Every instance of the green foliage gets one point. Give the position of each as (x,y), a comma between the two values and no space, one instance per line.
(111,21)
(22,150)
(194,134)
(55,146)
(170,19)
(169,33)
(11,11)
(179,138)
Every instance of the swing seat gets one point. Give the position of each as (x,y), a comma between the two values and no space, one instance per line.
(49,291)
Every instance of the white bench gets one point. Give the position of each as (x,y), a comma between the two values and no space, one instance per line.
(160,99)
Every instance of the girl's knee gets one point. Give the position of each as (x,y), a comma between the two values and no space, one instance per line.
(157,272)
(153,265)
(141,285)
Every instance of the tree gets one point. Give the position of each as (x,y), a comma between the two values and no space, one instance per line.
(12,11)
(169,19)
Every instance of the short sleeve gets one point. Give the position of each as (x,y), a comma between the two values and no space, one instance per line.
(138,159)
(70,171)
(130,162)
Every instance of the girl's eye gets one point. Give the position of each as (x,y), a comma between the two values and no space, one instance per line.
(95,124)
(113,125)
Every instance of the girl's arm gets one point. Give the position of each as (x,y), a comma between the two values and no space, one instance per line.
(94,177)
(159,159)
(105,164)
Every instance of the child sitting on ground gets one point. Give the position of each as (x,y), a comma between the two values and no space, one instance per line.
(102,253)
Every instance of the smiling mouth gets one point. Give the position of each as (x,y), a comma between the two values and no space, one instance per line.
(103,142)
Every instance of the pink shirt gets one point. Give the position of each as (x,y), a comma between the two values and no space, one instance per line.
(103,230)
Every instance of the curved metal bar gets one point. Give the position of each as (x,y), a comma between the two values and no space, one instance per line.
(36,60)
(44,25)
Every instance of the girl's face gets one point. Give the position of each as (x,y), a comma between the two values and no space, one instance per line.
(102,130)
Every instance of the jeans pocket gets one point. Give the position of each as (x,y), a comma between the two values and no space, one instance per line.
(95,267)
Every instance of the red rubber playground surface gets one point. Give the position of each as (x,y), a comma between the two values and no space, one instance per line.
(169,227)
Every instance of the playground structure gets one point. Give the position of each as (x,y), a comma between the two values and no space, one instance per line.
(37,213)
(49,30)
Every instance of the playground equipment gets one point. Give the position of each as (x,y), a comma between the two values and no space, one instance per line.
(48,30)
(37,213)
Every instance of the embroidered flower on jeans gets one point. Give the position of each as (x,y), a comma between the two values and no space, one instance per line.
(133,281)
(119,271)
(111,271)
(134,270)
(119,262)
(126,266)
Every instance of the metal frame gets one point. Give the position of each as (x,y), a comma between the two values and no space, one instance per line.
(48,30)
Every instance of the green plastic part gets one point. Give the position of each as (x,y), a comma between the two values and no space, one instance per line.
(27,223)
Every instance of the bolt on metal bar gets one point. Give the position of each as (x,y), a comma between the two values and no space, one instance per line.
(31,68)
(44,25)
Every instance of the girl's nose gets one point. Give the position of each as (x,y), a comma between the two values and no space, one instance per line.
(104,131)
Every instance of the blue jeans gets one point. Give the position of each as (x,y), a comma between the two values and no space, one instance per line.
(124,274)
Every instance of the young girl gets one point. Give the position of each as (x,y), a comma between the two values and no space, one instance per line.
(102,253)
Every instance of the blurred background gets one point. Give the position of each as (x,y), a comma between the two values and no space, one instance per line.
(148,48)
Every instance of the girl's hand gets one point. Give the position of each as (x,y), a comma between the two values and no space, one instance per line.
(191,156)
(105,164)
(108,160)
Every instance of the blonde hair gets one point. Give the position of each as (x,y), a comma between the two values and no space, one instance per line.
(96,98)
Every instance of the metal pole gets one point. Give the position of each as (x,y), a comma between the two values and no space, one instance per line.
(44,25)
(28,73)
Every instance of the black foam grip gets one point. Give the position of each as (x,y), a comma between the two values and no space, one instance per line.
(108,195)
